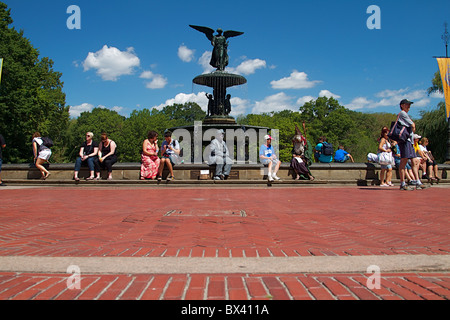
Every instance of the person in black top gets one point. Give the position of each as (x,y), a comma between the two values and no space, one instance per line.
(89,155)
(107,154)
(2,145)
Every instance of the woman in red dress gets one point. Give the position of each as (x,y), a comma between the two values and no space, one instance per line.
(150,160)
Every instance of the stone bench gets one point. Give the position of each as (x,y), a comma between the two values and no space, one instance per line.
(361,173)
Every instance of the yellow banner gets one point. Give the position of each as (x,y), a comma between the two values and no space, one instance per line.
(444,68)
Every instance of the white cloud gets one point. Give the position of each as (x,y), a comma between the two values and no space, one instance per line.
(111,63)
(239,106)
(296,80)
(185,54)
(359,103)
(146,75)
(302,100)
(157,81)
(328,94)
(275,103)
(390,98)
(248,66)
(75,111)
(204,62)
(182,98)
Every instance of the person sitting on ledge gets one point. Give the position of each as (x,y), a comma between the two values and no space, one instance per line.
(88,155)
(149,158)
(170,150)
(220,156)
(107,154)
(341,155)
(269,158)
(323,151)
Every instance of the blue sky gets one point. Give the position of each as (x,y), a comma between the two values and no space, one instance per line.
(135,54)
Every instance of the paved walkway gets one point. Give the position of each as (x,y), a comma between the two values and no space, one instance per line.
(221,243)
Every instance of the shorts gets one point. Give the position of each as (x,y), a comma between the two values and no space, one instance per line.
(45,154)
(166,156)
(267,161)
(406,150)
(386,166)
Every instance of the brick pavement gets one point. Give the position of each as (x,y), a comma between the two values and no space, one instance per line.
(245,223)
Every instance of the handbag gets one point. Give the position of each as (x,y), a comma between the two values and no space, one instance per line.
(385,158)
(398,132)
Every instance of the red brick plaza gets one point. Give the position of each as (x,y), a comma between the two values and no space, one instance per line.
(224,243)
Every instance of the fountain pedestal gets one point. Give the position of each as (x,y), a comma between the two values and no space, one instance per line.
(219,105)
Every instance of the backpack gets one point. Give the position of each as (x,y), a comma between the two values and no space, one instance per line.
(46,141)
(327,149)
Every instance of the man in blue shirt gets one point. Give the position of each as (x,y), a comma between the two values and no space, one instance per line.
(341,155)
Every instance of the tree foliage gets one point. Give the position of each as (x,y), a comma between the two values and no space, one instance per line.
(31,97)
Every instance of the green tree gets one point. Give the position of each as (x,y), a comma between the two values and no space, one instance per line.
(436,84)
(31,97)
(98,121)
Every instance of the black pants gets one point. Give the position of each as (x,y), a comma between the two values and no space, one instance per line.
(108,163)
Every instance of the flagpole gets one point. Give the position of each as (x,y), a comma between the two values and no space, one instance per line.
(446,38)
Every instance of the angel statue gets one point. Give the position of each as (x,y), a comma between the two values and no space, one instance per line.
(219,57)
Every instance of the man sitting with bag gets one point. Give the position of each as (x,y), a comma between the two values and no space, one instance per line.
(170,151)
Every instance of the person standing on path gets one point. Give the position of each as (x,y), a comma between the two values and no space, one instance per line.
(406,147)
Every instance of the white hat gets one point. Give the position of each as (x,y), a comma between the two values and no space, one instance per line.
(267,137)
(416,136)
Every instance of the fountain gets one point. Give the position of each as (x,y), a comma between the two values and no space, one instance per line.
(246,138)
(219,105)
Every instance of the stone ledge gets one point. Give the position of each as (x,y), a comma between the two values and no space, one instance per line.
(348,173)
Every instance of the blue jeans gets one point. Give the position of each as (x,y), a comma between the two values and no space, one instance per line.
(90,162)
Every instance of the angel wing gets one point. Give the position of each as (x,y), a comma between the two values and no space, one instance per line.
(207,31)
(231,33)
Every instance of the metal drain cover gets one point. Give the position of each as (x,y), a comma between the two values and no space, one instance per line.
(206,213)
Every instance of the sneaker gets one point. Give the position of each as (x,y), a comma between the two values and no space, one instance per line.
(421,186)
(217,178)
(384,185)
(269,177)
(170,178)
(406,188)
(276,177)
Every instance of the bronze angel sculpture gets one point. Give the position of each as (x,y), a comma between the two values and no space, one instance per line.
(219,57)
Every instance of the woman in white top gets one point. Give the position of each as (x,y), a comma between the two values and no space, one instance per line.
(430,167)
(41,155)
(385,146)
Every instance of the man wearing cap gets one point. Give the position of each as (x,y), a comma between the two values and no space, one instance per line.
(220,156)
(407,148)
(268,158)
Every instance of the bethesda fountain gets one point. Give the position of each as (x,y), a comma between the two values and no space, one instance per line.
(244,139)
(219,105)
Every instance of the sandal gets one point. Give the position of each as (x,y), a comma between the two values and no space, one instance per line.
(89,178)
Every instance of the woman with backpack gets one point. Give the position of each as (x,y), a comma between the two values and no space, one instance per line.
(41,153)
